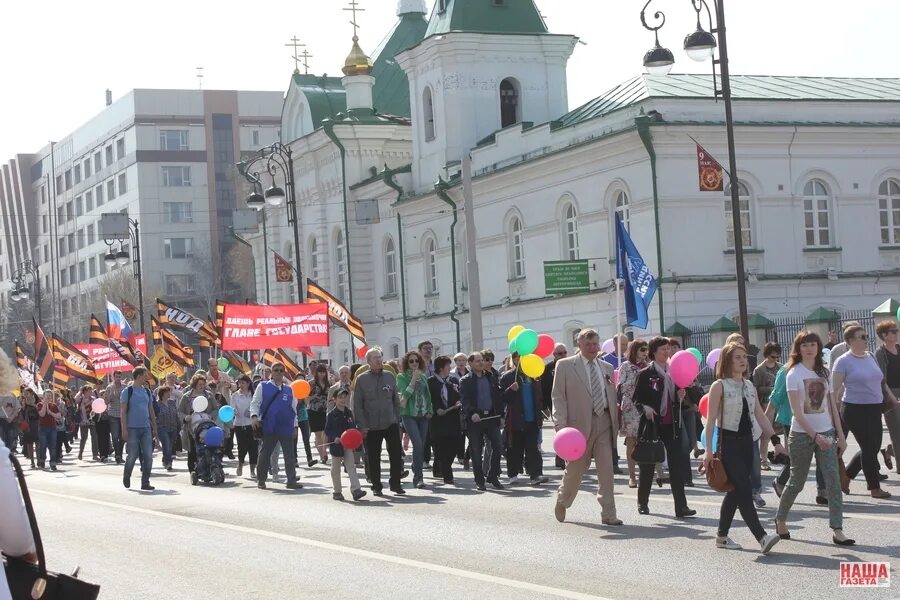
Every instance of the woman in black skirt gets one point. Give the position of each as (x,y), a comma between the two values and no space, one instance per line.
(316,406)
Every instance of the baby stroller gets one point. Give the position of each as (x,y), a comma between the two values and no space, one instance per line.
(208,440)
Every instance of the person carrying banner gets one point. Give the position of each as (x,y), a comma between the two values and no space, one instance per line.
(274,412)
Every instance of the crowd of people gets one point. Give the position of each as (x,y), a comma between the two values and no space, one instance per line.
(435,415)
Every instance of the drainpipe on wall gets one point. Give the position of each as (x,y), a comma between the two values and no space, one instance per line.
(440,189)
(388,175)
(643,127)
(328,127)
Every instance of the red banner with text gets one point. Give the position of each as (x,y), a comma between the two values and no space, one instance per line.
(255,327)
(106,360)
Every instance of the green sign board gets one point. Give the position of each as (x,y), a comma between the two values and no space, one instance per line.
(566,277)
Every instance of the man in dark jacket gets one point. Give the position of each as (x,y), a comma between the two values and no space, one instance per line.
(559,352)
(522,397)
(483,408)
(446,432)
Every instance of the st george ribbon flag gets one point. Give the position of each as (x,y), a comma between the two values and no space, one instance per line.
(640,286)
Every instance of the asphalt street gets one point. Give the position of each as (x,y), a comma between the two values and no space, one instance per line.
(235,541)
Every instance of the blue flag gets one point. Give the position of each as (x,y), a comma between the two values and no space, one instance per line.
(639,283)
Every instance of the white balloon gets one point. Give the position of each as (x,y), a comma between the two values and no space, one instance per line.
(200,404)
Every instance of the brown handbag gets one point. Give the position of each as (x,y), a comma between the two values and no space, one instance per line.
(716,477)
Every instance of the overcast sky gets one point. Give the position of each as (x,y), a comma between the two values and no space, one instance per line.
(59,57)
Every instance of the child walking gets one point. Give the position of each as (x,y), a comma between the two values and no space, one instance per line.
(339,420)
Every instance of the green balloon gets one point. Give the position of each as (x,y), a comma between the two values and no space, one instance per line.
(223,363)
(512,346)
(898,314)
(697,354)
(526,342)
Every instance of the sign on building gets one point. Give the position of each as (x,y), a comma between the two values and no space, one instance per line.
(566,277)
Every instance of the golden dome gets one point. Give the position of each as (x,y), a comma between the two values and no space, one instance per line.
(357,62)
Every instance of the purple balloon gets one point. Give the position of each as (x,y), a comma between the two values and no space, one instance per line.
(569,444)
(608,347)
(712,359)
(684,368)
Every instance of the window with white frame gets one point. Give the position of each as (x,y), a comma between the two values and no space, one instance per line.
(390,268)
(123,183)
(816,207)
(178,212)
(174,139)
(340,258)
(431,280)
(889,211)
(313,258)
(178,247)
(111,189)
(120,148)
(176,176)
(622,209)
(570,214)
(745,216)
(179,285)
(516,237)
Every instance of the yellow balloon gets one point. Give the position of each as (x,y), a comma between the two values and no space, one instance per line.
(532,365)
(513,332)
(16,392)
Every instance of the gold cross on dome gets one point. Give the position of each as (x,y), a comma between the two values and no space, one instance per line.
(295,44)
(354,8)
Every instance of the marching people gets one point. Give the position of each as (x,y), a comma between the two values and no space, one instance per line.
(888,358)
(560,351)
(815,430)
(48,415)
(85,399)
(167,424)
(316,405)
(273,411)
(629,415)
(30,425)
(196,389)
(522,398)
(343,381)
(303,430)
(243,430)
(10,411)
(446,430)
(480,396)
(338,420)
(584,398)
(764,380)
(111,396)
(733,397)
(376,406)
(138,427)
(415,408)
(658,398)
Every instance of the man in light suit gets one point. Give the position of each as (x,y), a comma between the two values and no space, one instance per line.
(584,397)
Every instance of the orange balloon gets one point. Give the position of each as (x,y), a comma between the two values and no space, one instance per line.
(301,389)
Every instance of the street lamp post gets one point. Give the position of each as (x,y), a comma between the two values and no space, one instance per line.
(121,258)
(701,45)
(20,289)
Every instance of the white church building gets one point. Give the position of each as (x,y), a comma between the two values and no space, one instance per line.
(378,168)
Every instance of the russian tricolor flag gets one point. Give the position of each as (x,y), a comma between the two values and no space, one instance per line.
(117,326)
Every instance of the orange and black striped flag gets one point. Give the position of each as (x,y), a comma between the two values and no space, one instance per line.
(73,362)
(181,354)
(210,333)
(22,360)
(339,313)
(237,362)
(291,369)
(172,317)
(220,316)
(97,335)
(43,354)
(155,331)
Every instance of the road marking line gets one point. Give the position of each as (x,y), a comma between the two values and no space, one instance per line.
(388,558)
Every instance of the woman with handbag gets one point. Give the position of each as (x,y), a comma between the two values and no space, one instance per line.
(630,415)
(815,430)
(734,408)
(656,396)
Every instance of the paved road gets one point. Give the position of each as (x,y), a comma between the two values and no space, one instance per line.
(444,542)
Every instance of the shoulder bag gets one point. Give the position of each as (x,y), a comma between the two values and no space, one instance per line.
(649,450)
(34,581)
(716,477)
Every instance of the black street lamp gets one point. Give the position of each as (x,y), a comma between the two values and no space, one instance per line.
(122,257)
(701,45)
(20,288)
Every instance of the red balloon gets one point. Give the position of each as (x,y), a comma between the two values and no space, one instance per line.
(361,351)
(704,406)
(352,439)
(545,346)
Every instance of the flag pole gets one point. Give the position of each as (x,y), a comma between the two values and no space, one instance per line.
(616,339)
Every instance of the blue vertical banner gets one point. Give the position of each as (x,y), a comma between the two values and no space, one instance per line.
(640,286)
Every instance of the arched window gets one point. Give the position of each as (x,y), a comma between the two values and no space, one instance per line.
(889,211)
(623,210)
(313,258)
(571,232)
(292,289)
(340,262)
(390,268)
(516,238)
(431,280)
(744,207)
(816,206)
(428,113)
(509,102)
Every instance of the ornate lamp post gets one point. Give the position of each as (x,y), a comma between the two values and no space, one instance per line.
(20,288)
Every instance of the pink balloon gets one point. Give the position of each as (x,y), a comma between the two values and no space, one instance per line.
(569,443)
(608,347)
(545,346)
(616,377)
(712,358)
(684,368)
(98,406)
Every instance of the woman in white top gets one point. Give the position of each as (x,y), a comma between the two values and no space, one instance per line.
(815,430)
(15,531)
(734,397)
(240,401)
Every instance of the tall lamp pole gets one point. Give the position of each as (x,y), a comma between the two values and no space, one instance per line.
(700,46)
(20,289)
(121,258)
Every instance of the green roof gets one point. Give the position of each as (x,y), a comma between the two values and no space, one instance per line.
(743,87)
(678,329)
(391,93)
(325,96)
(755,321)
(486,16)
(724,325)
(888,307)
(822,315)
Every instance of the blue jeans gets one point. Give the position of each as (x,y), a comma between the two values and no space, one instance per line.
(140,441)
(47,442)
(416,428)
(167,441)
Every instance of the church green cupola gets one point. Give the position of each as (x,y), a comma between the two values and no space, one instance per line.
(486,16)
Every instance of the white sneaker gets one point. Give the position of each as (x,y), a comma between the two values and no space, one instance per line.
(513,480)
(768,541)
(727,543)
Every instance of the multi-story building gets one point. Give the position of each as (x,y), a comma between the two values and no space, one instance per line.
(166,159)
